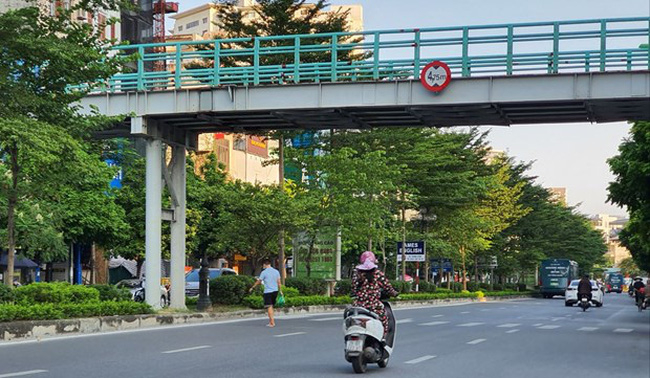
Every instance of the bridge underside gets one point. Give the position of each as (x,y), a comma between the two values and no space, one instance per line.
(596,111)
(586,97)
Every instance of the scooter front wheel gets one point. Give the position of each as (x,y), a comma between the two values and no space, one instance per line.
(383,362)
(359,364)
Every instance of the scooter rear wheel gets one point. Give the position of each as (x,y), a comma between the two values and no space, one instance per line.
(359,364)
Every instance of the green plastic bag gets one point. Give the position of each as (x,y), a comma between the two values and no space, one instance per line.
(280,301)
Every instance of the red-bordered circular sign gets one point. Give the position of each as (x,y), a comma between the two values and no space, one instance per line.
(435,76)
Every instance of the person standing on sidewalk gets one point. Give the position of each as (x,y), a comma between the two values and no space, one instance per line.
(270,278)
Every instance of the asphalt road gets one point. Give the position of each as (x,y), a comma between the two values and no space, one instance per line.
(523,338)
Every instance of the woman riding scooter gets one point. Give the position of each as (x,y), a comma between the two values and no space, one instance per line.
(367,284)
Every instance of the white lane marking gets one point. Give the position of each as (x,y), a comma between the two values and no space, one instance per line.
(474,342)
(420,359)
(538,324)
(465,312)
(402,321)
(22,373)
(437,316)
(512,331)
(484,310)
(434,323)
(291,334)
(327,319)
(548,327)
(509,325)
(503,308)
(587,329)
(556,319)
(470,324)
(186,349)
(623,330)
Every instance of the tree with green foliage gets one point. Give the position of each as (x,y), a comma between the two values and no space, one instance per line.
(275,18)
(631,168)
(628,266)
(41,132)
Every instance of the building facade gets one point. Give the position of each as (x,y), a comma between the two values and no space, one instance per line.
(610,226)
(203,20)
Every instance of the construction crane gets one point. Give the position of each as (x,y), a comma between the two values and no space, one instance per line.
(160,9)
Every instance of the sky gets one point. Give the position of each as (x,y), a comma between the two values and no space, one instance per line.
(566,155)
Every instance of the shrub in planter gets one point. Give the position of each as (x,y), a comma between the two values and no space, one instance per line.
(343,287)
(497,287)
(307,286)
(427,287)
(112,293)
(401,286)
(473,286)
(290,292)
(456,287)
(230,290)
(54,292)
(6,294)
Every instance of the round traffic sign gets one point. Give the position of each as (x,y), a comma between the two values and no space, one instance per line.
(435,76)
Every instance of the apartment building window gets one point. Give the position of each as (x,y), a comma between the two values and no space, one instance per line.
(239,144)
(205,20)
(180,28)
(192,25)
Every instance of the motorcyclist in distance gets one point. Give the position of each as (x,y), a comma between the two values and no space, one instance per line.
(637,285)
(584,288)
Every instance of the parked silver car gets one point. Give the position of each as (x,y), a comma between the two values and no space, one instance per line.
(192,279)
(137,294)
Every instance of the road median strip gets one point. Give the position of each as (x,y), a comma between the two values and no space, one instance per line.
(39,329)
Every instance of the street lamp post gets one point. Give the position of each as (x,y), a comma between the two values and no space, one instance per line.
(204,302)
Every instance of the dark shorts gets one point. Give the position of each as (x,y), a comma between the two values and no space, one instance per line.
(269,299)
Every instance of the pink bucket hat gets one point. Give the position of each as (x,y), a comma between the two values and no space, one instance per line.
(368,261)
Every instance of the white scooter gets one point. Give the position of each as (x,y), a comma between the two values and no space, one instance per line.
(364,337)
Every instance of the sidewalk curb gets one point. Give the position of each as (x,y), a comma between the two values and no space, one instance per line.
(38,329)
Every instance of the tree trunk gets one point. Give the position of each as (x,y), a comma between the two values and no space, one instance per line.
(462,255)
(309,253)
(12,202)
(92,264)
(476,269)
(281,257)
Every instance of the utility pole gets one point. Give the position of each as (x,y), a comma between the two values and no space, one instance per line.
(283,270)
(403,236)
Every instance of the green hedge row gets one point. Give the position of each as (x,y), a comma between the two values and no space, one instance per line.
(47,311)
(505,293)
(429,296)
(6,294)
(256,301)
(55,293)
(307,286)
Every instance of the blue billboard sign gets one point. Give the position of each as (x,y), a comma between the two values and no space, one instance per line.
(447,266)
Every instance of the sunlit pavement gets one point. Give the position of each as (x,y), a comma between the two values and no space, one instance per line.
(522,338)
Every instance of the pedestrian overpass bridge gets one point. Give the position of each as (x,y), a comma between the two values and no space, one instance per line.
(508,74)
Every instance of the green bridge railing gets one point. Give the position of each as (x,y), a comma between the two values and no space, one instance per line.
(470,51)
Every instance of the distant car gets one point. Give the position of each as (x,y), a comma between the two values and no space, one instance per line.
(135,285)
(571,294)
(192,279)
